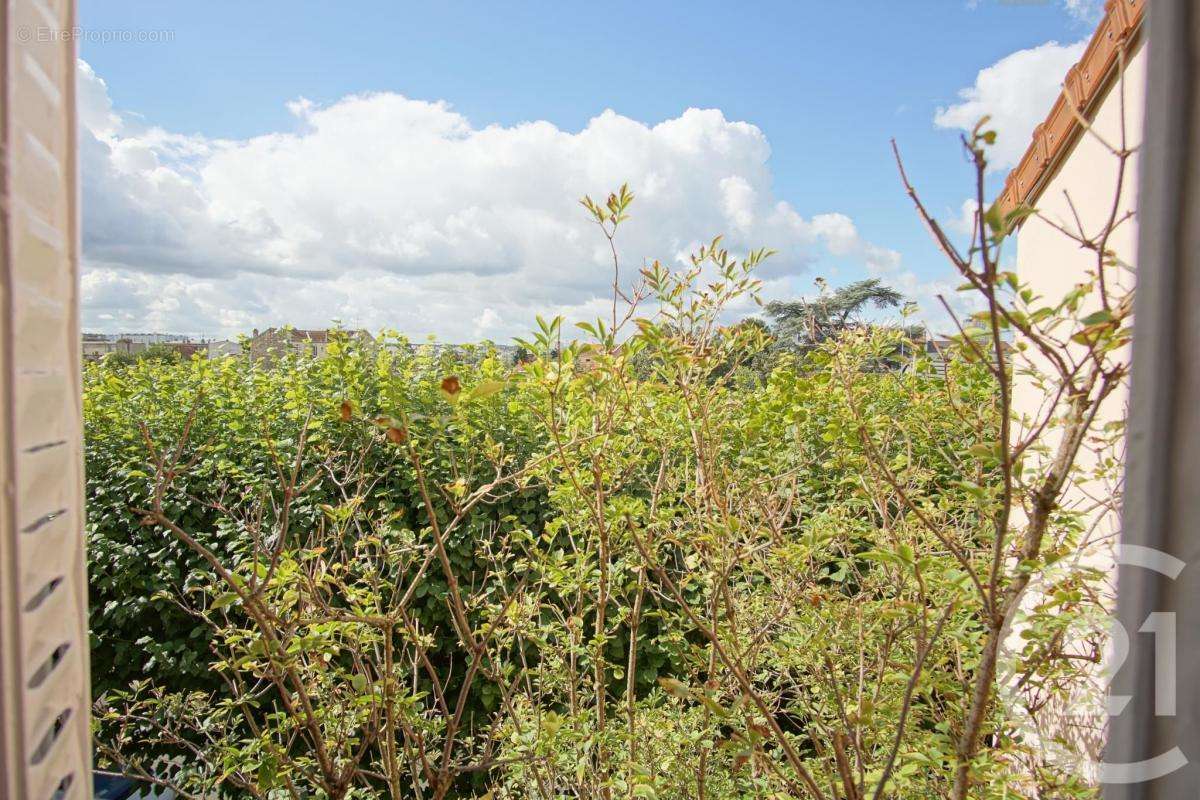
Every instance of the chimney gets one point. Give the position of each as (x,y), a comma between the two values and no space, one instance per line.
(255,333)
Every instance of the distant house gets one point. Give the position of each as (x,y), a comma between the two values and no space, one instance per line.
(224,347)
(274,343)
(154,338)
(188,349)
(96,346)
(933,349)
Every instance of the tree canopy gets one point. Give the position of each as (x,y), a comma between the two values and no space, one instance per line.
(800,325)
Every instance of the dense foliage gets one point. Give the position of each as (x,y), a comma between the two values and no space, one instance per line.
(246,422)
(628,565)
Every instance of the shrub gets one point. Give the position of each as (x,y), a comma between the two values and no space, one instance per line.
(619,569)
(245,423)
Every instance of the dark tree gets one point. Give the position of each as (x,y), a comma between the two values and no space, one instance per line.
(800,325)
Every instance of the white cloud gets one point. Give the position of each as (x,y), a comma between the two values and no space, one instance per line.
(383,210)
(1017,92)
(929,294)
(1085,11)
(965,222)
(842,239)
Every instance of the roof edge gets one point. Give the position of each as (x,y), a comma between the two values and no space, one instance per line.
(1084,85)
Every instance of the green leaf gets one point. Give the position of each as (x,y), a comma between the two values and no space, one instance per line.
(486,389)
(1097,317)
(229,598)
(993,219)
(880,556)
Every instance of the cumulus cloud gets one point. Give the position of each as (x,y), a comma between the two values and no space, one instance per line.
(382,210)
(1017,92)
(842,239)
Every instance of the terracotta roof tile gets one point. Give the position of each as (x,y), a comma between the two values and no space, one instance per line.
(1082,86)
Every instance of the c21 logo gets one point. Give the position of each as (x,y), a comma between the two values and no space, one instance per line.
(1071,734)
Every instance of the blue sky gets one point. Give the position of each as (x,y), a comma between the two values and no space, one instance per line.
(825,85)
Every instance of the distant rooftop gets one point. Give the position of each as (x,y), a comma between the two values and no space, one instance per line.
(314,336)
(149,338)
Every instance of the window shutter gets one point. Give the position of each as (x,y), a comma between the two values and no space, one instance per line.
(44,697)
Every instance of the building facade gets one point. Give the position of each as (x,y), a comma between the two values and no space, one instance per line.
(274,343)
(1072,176)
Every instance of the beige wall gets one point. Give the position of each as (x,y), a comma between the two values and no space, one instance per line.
(1082,193)
(1045,257)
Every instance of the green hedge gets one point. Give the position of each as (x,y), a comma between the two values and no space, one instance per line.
(244,418)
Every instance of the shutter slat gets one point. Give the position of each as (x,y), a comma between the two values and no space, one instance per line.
(44,737)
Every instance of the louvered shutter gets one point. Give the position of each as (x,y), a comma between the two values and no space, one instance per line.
(44,738)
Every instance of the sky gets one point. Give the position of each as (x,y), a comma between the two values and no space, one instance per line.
(418,166)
